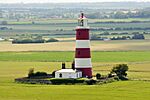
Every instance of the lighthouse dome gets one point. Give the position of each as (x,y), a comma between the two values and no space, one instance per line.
(82,21)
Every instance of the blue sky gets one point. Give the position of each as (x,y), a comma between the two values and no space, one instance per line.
(45,1)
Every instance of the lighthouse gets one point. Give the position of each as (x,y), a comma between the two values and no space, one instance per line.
(82,52)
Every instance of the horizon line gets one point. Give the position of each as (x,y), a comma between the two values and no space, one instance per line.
(72,2)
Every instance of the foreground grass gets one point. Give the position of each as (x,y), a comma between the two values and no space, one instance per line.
(128,56)
(17,64)
(128,90)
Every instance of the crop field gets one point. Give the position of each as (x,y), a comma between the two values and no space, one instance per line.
(52,26)
(68,44)
(68,26)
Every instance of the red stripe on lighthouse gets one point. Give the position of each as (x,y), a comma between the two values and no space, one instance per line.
(83,53)
(82,34)
(86,72)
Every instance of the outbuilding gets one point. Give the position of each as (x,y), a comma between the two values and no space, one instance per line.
(68,73)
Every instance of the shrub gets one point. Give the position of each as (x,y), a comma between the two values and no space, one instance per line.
(90,82)
(98,76)
(116,78)
(66,81)
(31,72)
(138,36)
(120,71)
(52,40)
(110,75)
(22,41)
(4,22)
(40,74)
(53,73)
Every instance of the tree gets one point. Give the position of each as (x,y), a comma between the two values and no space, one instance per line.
(98,76)
(120,70)
(52,40)
(138,36)
(31,72)
(4,23)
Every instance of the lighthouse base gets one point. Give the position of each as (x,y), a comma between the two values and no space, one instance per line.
(86,72)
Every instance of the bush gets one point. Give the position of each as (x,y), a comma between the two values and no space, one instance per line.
(66,81)
(4,22)
(116,78)
(53,73)
(110,75)
(52,40)
(98,76)
(37,74)
(22,41)
(40,74)
(90,82)
(120,71)
(31,72)
(138,36)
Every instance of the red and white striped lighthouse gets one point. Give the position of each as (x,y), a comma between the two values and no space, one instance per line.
(82,54)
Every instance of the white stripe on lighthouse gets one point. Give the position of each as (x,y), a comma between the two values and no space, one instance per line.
(83,63)
(82,43)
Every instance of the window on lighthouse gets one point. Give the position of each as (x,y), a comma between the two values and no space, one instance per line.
(80,22)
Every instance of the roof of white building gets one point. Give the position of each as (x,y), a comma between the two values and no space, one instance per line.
(67,70)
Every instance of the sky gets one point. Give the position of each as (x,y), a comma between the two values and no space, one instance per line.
(62,1)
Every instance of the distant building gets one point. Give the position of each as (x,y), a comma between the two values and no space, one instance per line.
(1,39)
(68,73)
(10,39)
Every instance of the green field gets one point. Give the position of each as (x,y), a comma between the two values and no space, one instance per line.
(17,64)
(126,90)
(52,26)
(126,56)
(129,90)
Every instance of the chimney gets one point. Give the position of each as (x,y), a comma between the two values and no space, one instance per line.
(73,65)
(63,66)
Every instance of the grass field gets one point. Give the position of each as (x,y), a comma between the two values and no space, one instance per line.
(17,64)
(127,90)
(113,91)
(127,56)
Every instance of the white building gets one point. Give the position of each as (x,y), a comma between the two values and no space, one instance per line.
(1,39)
(68,73)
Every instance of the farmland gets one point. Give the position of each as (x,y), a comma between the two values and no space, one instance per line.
(127,56)
(67,26)
(17,59)
(68,44)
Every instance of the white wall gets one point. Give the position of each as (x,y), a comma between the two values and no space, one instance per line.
(68,75)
